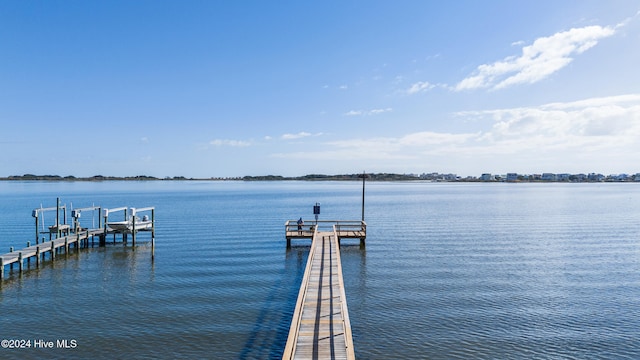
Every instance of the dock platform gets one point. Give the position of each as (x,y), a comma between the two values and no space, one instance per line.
(76,236)
(344,229)
(320,327)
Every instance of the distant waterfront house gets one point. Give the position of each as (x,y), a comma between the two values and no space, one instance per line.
(563,177)
(487,177)
(595,177)
(579,177)
(549,177)
(511,177)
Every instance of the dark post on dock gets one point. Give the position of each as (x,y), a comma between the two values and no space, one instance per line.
(364,177)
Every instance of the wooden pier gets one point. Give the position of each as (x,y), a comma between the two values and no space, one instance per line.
(320,327)
(67,237)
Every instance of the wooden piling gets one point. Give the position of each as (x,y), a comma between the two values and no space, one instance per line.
(133,223)
(35,215)
(20,262)
(153,223)
(53,251)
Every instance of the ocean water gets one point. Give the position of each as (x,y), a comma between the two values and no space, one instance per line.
(449,271)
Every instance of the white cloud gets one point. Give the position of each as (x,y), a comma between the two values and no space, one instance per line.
(367,112)
(587,135)
(353,113)
(428,138)
(380,111)
(300,135)
(420,87)
(595,126)
(544,57)
(232,143)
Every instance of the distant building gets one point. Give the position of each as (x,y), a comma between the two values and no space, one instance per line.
(579,177)
(434,176)
(487,177)
(595,177)
(562,177)
(512,177)
(549,177)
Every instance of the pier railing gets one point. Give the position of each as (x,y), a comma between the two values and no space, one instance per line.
(344,229)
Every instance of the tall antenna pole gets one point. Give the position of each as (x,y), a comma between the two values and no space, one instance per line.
(364,176)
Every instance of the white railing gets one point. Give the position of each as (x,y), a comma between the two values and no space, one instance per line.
(342,227)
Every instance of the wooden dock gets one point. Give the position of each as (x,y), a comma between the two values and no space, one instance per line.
(74,237)
(320,327)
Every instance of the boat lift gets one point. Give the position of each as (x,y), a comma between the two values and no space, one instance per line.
(58,228)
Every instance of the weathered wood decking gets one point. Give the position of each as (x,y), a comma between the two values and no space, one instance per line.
(320,327)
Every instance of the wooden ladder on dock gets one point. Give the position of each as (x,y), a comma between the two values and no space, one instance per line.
(320,328)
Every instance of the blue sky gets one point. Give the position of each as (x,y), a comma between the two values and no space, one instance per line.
(233,88)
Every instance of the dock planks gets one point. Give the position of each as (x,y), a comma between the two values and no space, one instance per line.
(320,327)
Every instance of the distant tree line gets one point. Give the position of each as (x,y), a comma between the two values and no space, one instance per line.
(511,177)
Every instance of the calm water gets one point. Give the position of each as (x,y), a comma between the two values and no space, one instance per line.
(487,271)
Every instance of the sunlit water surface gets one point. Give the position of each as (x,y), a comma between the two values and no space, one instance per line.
(450,271)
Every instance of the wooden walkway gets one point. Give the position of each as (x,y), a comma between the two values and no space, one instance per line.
(52,247)
(320,327)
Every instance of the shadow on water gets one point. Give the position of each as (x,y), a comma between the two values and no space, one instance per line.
(277,310)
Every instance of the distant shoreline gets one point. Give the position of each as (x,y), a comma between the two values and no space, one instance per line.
(433,177)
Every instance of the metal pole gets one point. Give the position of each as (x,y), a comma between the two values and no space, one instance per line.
(364,176)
